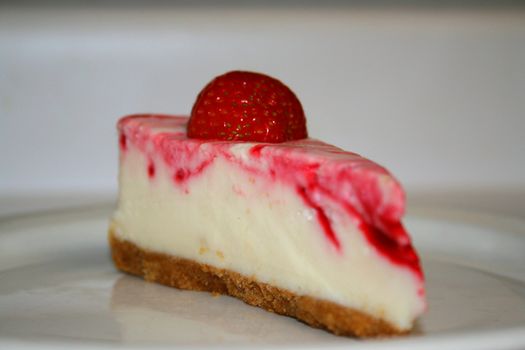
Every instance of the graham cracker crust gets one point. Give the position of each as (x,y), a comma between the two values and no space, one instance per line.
(187,274)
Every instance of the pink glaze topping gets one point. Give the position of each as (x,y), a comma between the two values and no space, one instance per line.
(322,175)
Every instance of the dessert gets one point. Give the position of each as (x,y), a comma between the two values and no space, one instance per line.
(238,200)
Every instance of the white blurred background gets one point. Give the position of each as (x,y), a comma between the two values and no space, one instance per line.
(436,94)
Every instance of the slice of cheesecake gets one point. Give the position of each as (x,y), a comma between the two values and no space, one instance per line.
(300,228)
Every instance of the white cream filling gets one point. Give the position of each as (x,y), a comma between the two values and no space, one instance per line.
(233,220)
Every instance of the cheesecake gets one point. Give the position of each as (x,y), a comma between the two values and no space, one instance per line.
(277,219)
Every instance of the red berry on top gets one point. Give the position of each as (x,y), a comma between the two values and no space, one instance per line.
(247,106)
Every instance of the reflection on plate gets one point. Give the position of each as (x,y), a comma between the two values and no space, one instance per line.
(58,286)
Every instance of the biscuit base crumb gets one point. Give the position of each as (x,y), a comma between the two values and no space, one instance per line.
(187,274)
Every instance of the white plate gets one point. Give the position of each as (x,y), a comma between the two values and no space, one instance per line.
(58,288)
